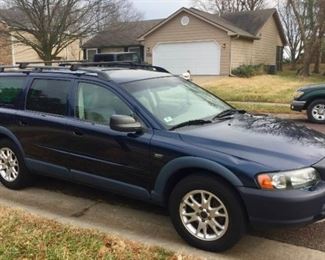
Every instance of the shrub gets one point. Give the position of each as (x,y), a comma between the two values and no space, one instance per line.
(247,71)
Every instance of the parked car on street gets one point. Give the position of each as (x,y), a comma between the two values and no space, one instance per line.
(141,132)
(312,99)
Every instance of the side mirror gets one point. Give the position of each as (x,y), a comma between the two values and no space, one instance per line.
(126,124)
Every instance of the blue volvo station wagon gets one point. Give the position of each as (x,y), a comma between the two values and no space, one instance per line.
(141,132)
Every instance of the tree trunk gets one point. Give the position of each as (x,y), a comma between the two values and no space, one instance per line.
(317,63)
(318,55)
(306,63)
(47,57)
(293,63)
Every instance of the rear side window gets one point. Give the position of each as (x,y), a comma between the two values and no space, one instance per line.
(10,88)
(103,57)
(49,96)
(128,57)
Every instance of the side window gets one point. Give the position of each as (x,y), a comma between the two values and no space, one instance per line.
(97,104)
(10,88)
(49,96)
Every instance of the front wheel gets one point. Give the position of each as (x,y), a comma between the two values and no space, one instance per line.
(316,111)
(207,213)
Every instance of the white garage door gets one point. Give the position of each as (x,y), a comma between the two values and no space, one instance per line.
(201,58)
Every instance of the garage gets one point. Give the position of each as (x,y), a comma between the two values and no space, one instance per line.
(201,58)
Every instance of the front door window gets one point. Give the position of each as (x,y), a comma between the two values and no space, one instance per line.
(97,104)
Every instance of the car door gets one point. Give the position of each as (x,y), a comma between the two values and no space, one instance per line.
(98,150)
(41,126)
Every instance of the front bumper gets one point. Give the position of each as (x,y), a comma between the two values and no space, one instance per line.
(298,105)
(284,208)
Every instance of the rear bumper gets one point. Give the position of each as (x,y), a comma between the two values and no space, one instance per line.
(284,208)
(298,105)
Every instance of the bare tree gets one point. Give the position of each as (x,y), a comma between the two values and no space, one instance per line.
(49,26)
(310,16)
(318,53)
(251,5)
(228,6)
(291,28)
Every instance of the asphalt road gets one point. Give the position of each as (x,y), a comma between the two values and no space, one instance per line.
(87,207)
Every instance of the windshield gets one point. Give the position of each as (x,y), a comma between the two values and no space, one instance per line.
(174,101)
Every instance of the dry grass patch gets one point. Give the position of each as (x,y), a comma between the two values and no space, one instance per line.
(25,236)
(264,108)
(265,88)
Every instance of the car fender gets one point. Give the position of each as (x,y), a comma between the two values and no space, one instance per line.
(8,134)
(175,165)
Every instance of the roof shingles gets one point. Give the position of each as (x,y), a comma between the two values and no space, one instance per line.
(223,23)
(249,21)
(125,34)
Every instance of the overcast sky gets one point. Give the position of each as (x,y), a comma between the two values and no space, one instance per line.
(153,9)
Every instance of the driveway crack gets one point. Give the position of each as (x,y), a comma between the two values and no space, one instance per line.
(84,210)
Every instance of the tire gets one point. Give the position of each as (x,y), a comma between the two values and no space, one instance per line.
(222,196)
(13,173)
(316,111)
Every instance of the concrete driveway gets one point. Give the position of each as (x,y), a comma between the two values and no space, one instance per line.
(86,207)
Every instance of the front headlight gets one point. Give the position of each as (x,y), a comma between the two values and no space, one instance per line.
(298,94)
(295,179)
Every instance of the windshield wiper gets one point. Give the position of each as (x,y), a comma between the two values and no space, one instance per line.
(191,122)
(228,112)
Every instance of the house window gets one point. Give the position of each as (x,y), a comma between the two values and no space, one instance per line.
(136,50)
(90,53)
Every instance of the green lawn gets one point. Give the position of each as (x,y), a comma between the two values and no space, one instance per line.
(25,236)
(265,88)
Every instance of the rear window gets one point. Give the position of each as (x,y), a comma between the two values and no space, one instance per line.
(49,96)
(103,57)
(10,88)
(128,57)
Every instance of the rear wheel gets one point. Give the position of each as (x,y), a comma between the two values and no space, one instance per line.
(316,111)
(13,173)
(207,213)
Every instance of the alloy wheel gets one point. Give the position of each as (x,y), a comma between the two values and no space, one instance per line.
(204,215)
(9,166)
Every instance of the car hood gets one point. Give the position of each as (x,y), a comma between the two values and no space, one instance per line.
(312,87)
(275,143)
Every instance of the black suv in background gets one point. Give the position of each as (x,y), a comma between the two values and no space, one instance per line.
(141,132)
(117,57)
(312,99)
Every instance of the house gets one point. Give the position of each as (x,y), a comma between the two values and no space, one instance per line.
(204,43)
(119,38)
(12,51)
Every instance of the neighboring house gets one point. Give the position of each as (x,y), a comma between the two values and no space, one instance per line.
(11,51)
(120,38)
(204,43)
